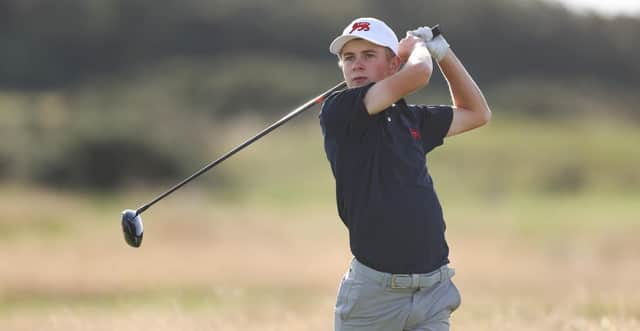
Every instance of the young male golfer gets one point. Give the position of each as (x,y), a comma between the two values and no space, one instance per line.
(376,144)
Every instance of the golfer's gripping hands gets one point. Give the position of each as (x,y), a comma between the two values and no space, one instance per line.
(437,46)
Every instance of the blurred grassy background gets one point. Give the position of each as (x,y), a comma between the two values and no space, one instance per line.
(104,104)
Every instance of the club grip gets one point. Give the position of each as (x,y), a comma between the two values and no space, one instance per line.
(436,30)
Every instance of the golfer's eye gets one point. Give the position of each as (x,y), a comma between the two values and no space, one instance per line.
(348,58)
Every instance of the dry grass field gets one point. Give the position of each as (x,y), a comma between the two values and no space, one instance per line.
(271,259)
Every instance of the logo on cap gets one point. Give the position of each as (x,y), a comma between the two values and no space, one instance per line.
(360,26)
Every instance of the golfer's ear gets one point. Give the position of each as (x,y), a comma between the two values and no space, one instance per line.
(395,64)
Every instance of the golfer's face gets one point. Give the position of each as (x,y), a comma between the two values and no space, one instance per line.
(364,62)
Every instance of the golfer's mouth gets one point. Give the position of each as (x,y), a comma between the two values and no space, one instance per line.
(359,80)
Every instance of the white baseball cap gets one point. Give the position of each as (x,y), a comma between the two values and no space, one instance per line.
(367,28)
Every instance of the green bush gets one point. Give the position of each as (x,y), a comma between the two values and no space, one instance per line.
(79,143)
(107,163)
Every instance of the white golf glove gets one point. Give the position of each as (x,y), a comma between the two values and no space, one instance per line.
(437,46)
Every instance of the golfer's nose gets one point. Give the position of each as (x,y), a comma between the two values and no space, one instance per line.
(358,65)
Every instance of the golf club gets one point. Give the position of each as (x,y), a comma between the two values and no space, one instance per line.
(132,226)
(132,222)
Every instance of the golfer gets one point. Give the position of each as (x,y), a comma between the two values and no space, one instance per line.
(376,143)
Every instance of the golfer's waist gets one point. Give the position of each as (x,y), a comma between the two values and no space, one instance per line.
(391,280)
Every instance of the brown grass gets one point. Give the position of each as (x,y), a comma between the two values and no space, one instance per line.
(205,265)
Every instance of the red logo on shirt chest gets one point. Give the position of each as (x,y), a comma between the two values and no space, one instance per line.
(360,26)
(415,133)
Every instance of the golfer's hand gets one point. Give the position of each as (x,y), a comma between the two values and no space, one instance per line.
(406,46)
(437,46)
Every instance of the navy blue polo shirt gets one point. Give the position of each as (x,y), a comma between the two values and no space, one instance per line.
(384,192)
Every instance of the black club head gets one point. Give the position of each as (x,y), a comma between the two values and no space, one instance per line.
(132,228)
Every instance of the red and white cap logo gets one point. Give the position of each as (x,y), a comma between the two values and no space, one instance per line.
(360,26)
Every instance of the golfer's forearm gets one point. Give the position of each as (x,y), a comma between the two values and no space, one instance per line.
(420,57)
(465,93)
(417,71)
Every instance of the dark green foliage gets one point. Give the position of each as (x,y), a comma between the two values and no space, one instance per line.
(106,164)
(48,44)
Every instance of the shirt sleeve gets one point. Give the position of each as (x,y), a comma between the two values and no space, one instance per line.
(435,123)
(344,112)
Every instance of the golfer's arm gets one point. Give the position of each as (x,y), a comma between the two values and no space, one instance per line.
(414,75)
(470,107)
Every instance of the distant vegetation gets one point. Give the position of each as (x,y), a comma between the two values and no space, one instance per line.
(104,93)
(68,43)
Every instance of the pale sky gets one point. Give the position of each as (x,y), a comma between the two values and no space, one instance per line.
(605,7)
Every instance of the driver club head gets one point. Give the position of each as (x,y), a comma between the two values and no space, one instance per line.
(132,228)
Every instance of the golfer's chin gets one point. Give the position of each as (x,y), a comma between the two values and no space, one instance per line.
(358,82)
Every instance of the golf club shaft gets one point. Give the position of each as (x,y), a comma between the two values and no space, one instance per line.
(263,133)
(435,30)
